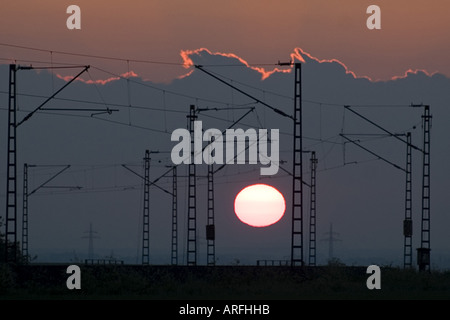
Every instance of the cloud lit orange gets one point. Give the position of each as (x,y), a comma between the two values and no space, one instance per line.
(298,55)
(130,74)
(187,61)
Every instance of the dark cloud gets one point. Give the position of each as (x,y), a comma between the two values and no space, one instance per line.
(361,196)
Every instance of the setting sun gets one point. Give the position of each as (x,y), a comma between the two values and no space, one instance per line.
(259,205)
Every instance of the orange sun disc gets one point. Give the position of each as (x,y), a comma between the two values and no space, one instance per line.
(259,205)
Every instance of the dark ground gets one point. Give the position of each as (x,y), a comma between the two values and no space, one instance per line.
(128,282)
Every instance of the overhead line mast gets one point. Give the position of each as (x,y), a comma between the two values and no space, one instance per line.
(146,205)
(11,252)
(11,179)
(408,222)
(25,205)
(312,211)
(192,198)
(210,226)
(174,247)
(423,253)
(297,172)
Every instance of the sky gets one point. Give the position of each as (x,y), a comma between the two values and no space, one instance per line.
(412,35)
(153,42)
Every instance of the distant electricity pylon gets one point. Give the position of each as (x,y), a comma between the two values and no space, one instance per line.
(91,235)
(331,240)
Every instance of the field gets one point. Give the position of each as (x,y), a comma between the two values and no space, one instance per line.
(128,282)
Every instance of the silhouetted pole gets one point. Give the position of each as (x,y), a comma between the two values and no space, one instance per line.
(174,252)
(11,172)
(25,213)
(297,192)
(297,175)
(192,198)
(210,226)
(25,196)
(423,253)
(312,212)
(11,252)
(408,222)
(146,211)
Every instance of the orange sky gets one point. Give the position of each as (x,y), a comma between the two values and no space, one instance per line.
(414,33)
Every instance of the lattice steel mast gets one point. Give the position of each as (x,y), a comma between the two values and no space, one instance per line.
(174,247)
(423,253)
(11,250)
(408,222)
(312,212)
(11,179)
(297,185)
(210,227)
(146,211)
(192,198)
